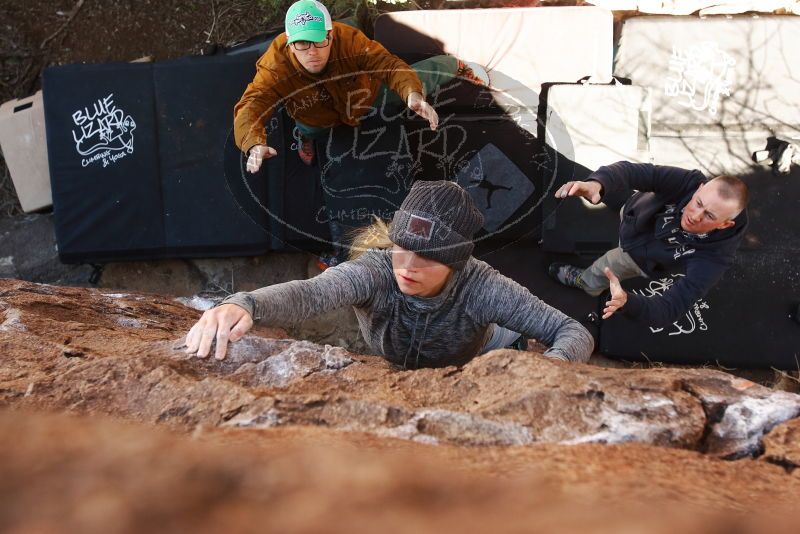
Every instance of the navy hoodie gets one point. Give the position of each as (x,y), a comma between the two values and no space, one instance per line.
(651,233)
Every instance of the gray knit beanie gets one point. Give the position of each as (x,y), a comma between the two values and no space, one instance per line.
(437,220)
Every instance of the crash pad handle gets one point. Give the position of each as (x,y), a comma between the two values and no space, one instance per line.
(20,104)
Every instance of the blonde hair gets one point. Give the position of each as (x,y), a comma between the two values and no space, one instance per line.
(376,235)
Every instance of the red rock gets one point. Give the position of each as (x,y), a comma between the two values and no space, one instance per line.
(782,446)
(67,474)
(291,436)
(82,350)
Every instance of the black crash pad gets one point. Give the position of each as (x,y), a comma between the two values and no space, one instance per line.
(149,183)
(143,165)
(750,319)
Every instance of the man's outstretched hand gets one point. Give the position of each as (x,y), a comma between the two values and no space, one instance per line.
(589,190)
(227,322)
(618,295)
(417,104)
(258,154)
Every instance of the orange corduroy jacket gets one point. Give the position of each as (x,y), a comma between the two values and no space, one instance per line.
(341,94)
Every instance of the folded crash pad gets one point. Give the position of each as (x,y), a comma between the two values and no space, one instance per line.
(724,83)
(521,48)
(144,166)
(751,317)
(103,154)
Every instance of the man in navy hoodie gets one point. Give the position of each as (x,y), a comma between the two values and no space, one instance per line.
(675,218)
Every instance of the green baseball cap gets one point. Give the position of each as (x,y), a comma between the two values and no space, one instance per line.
(307,20)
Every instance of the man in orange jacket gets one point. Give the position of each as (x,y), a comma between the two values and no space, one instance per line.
(326,74)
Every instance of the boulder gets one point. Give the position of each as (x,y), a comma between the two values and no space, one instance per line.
(61,474)
(89,351)
(782,446)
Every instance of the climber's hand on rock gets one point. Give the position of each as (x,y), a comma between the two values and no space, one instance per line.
(224,323)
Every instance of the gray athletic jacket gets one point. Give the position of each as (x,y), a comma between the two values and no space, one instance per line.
(448,329)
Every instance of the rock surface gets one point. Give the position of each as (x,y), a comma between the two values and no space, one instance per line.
(67,474)
(29,252)
(292,436)
(782,446)
(89,351)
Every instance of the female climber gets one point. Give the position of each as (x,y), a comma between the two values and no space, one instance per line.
(421,298)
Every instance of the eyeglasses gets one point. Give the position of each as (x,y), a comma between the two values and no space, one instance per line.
(305,45)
